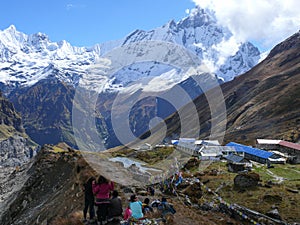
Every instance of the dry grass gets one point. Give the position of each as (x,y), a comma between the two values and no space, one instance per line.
(58,149)
(73,219)
(260,198)
(155,155)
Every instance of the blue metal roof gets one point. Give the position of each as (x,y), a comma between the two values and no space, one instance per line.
(252,151)
(234,158)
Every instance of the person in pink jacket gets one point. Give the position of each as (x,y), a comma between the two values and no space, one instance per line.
(102,191)
(127,213)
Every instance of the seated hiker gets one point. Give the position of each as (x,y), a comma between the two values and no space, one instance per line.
(165,207)
(115,208)
(102,190)
(127,213)
(136,207)
(146,207)
(88,199)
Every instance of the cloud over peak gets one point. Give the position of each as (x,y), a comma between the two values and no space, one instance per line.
(265,21)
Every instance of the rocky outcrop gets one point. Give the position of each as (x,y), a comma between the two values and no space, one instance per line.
(15,147)
(11,181)
(50,188)
(15,151)
(10,120)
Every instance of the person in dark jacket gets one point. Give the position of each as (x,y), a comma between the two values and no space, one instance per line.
(88,199)
(115,209)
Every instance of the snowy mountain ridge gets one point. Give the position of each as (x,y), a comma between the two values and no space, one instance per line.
(26,59)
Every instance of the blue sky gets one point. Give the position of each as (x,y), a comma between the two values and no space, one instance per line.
(87,22)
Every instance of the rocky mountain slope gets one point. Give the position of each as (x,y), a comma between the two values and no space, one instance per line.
(51,193)
(262,103)
(11,121)
(46,108)
(15,146)
(50,188)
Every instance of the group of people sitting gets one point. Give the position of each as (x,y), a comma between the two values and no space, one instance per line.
(109,205)
(137,210)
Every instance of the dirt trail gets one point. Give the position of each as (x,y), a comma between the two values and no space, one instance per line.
(277,178)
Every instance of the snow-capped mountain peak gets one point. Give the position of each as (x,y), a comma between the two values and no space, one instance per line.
(12,39)
(197,18)
(24,58)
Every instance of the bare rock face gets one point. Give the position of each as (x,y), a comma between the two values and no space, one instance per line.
(15,147)
(49,179)
(10,120)
(14,151)
(246,180)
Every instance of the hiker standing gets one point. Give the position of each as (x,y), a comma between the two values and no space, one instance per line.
(102,190)
(88,199)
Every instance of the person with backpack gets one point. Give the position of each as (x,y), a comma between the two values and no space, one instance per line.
(102,191)
(88,199)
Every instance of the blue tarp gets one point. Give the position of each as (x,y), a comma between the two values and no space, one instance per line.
(249,150)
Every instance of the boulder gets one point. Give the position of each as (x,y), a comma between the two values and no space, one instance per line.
(246,180)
